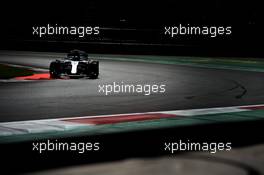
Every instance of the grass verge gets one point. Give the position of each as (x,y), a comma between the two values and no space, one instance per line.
(7,72)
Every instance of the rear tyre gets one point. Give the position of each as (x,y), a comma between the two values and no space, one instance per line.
(53,72)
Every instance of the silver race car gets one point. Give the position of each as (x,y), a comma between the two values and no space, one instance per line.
(76,64)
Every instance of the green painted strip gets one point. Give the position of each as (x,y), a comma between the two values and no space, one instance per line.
(250,64)
(237,116)
(141,125)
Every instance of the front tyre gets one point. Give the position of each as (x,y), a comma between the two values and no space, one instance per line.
(93,75)
(94,70)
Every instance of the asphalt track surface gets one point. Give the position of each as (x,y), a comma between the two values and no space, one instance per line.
(186,88)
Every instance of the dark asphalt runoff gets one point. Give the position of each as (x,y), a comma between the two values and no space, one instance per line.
(186,88)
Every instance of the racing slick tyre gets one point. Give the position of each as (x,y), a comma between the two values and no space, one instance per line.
(53,72)
(95,70)
(93,75)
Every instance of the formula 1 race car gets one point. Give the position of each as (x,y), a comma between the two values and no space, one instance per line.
(76,64)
